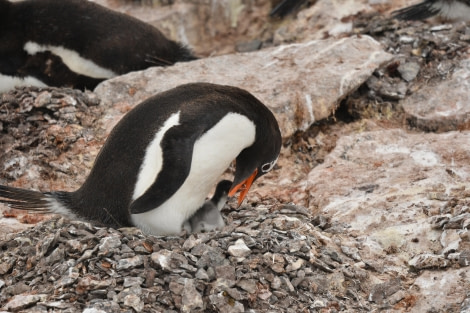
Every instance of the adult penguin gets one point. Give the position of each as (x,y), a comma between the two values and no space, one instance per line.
(76,43)
(162,159)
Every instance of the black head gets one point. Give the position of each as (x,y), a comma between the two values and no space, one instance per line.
(259,158)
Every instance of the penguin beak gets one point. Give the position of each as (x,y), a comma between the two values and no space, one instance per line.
(244,186)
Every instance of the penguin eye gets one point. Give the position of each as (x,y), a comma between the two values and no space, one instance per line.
(268,166)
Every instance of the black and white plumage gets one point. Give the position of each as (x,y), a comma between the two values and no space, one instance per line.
(76,43)
(162,159)
(208,217)
(447,9)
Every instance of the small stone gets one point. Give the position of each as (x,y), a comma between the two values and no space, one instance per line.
(464,258)
(21,302)
(128,263)
(428,260)
(235,294)
(382,291)
(352,252)
(191,298)
(226,272)
(93,310)
(108,245)
(5,266)
(89,283)
(275,261)
(133,281)
(57,255)
(75,245)
(103,307)
(286,222)
(162,258)
(294,266)
(191,242)
(69,279)
(318,304)
(264,294)
(276,283)
(288,284)
(409,70)
(176,287)
(134,302)
(249,285)
(225,305)
(46,244)
(86,255)
(202,274)
(239,249)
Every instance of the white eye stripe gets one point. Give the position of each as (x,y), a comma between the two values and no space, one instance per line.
(268,166)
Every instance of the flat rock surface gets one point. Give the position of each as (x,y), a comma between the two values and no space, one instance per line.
(337,67)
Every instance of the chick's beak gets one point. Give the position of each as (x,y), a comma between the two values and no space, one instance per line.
(244,186)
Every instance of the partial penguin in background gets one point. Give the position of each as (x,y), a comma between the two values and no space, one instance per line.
(453,10)
(76,43)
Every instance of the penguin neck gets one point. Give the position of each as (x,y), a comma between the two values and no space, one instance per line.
(212,154)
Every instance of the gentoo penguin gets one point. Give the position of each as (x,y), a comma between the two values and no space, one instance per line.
(208,217)
(447,9)
(162,159)
(76,43)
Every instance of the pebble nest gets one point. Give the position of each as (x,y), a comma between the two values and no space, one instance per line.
(269,257)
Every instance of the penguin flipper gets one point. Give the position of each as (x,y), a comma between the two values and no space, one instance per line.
(177,156)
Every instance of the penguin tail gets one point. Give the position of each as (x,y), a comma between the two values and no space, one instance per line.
(30,200)
(185,54)
(416,12)
(181,53)
(23,199)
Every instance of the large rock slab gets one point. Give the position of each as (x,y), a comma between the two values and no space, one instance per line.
(443,107)
(300,83)
(398,194)
(370,173)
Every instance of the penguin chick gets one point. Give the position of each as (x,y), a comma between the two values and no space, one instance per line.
(90,40)
(208,217)
(163,157)
(447,9)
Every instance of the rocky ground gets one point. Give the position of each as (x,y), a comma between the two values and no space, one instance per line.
(367,210)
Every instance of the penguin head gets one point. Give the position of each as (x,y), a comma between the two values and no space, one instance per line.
(257,159)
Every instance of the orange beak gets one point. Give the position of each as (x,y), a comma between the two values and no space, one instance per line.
(244,186)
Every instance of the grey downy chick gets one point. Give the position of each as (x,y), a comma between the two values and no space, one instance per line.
(208,217)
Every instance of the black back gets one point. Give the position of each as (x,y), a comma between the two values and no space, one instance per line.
(110,39)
